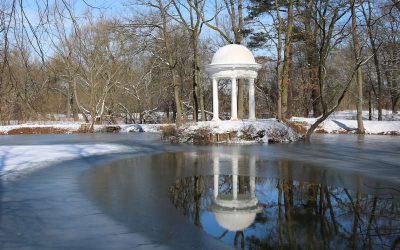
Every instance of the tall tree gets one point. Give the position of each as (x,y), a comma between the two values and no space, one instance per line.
(162,24)
(261,35)
(359,79)
(311,51)
(194,26)
(331,33)
(371,30)
(287,61)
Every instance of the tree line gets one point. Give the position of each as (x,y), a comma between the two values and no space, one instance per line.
(317,55)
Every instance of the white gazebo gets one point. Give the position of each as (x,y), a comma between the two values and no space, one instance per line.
(233,62)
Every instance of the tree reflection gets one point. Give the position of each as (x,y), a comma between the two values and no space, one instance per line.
(296,214)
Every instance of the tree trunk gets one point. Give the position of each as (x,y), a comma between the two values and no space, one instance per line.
(369,106)
(279,61)
(177,98)
(379,79)
(202,107)
(171,65)
(328,113)
(238,40)
(196,76)
(312,59)
(376,58)
(359,80)
(287,61)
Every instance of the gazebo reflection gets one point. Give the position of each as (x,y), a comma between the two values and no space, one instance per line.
(235,208)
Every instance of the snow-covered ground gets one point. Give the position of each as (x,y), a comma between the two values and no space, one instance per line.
(73,127)
(69,126)
(387,115)
(152,128)
(338,122)
(16,160)
(345,122)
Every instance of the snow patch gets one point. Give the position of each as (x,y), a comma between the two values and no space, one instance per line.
(331,125)
(21,159)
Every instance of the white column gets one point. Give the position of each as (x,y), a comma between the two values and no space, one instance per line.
(252,100)
(234,100)
(215,99)
(235,172)
(216,176)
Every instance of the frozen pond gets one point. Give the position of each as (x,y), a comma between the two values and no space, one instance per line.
(259,205)
(337,192)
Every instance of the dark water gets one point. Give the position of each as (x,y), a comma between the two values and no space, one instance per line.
(260,203)
(292,214)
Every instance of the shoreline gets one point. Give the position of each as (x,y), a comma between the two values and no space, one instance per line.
(299,126)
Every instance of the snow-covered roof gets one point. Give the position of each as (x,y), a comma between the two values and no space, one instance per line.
(233,54)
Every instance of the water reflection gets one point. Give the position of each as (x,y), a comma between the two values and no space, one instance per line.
(262,213)
(235,204)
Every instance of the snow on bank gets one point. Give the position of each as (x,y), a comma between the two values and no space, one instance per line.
(74,127)
(267,130)
(387,115)
(332,125)
(68,127)
(151,128)
(21,159)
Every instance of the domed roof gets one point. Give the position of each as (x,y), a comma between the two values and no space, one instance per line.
(235,221)
(233,54)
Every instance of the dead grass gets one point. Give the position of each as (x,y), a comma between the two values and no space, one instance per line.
(169,133)
(201,136)
(320,131)
(37,130)
(298,127)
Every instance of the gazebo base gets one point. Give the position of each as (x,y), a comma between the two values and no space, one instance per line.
(240,131)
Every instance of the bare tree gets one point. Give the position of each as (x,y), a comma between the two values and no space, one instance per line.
(194,26)
(359,79)
(162,23)
(371,30)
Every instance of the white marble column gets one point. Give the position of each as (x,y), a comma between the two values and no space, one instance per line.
(252,100)
(234,100)
(215,99)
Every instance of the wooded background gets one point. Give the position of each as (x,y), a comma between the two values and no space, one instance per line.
(317,56)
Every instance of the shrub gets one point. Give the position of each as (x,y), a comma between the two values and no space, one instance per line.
(248,133)
(168,132)
(111,129)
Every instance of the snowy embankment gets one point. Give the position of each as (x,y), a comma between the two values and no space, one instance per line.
(17,160)
(244,131)
(74,127)
(343,122)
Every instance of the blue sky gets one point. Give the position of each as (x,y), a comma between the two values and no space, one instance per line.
(114,8)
